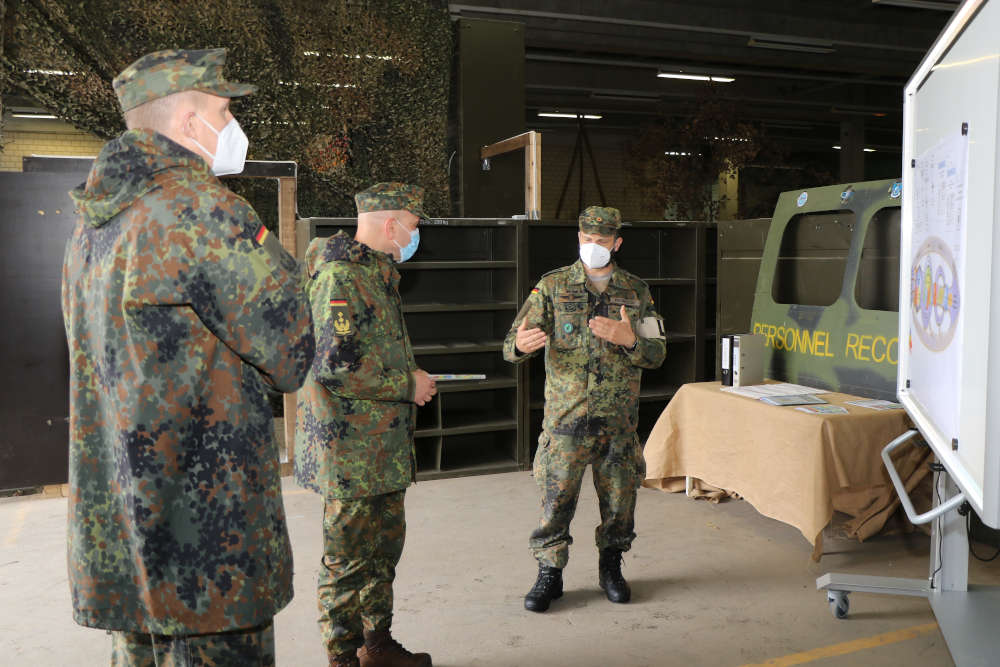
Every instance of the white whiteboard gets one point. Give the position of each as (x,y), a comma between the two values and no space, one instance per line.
(949,369)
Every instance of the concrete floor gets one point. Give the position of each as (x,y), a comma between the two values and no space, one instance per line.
(712,585)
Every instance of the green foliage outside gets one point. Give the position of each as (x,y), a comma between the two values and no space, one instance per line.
(355,92)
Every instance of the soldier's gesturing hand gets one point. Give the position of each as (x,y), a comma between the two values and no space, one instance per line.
(425,387)
(618,332)
(529,340)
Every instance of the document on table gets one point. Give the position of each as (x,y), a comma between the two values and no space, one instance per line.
(780,389)
(794,399)
(875,404)
(824,410)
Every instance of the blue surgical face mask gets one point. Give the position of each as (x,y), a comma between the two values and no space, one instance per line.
(406,252)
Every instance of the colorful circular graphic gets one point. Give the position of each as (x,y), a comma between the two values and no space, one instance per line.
(803,198)
(935,298)
(568,328)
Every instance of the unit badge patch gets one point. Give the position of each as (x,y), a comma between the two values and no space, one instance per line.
(341,318)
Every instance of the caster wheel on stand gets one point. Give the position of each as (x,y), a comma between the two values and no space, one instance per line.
(839,605)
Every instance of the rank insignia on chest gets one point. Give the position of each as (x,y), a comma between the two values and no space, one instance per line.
(341,322)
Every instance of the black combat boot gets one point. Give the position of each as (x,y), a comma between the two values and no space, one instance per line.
(548,587)
(610,576)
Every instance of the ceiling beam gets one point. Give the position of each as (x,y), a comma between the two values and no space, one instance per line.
(837,39)
(716,70)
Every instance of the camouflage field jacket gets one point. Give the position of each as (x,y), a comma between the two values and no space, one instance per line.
(354,430)
(591,385)
(180,309)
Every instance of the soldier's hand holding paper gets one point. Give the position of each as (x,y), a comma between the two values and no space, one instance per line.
(425,387)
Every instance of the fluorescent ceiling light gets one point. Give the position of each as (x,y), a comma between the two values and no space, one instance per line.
(920,4)
(805,46)
(34,115)
(695,77)
(867,150)
(548,114)
(690,77)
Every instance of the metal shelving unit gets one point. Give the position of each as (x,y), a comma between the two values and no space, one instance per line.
(459,296)
(461,293)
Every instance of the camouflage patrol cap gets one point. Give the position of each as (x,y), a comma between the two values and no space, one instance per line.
(600,220)
(392,197)
(163,73)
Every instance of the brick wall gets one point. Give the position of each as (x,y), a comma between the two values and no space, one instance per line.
(43,137)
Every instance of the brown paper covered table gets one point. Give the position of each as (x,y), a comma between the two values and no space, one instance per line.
(790,465)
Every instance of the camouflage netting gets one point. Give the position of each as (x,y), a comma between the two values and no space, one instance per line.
(355,92)
(677,160)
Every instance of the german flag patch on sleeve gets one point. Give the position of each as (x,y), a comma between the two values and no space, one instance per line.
(261,235)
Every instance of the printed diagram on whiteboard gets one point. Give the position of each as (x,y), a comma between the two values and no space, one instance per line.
(941,175)
(935,294)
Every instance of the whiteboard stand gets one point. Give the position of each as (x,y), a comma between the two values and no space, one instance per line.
(949,374)
(966,614)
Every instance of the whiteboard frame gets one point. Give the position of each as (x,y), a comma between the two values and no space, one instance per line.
(973,411)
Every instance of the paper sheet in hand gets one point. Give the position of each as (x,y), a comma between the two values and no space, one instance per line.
(780,389)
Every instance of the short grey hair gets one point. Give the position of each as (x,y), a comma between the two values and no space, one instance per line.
(156,114)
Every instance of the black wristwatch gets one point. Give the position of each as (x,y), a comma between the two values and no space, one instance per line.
(634,347)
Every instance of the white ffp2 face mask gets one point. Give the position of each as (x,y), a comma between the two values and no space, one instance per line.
(594,256)
(230,149)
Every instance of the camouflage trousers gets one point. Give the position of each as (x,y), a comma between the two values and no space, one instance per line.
(253,647)
(560,461)
(362,542)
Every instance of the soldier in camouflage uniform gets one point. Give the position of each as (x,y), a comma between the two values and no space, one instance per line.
(597,324)
(356,414)
(181,313)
